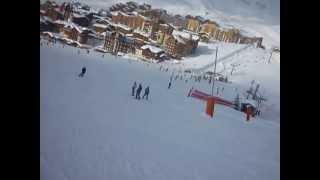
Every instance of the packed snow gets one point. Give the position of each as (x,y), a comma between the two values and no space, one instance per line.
(92,128)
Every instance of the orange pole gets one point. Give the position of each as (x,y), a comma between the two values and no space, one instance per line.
(210,106)
(248,111)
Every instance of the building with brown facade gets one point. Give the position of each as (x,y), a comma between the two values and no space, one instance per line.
(99,28)
(209,27)
(132,20)
(151,52)
(54,13)
(117,42)
(164,31)
(181,44)
(71,31)
(140,35)
(123,29)
(137,22)
(192,24)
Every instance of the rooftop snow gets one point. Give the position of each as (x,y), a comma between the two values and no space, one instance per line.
(60,22)
(78,15)
(141,33)
(185,35)
(72,25)
(145,18)
(152,48)
(116,13)
(164,25)
(122,26)
(100,25)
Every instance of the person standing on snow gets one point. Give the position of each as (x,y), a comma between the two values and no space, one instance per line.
(169,85)
(134,88)
(138,92)
(146,93)
(83,71)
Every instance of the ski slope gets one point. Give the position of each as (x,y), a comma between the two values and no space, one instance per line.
(251,64)
(92,128)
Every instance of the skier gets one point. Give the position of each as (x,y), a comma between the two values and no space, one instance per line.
(190,91)
(83,71)
(258,113)
(134,88)
(138,92)
(169,85)
(146,93)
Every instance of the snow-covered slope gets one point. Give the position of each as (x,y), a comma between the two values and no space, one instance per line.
(251,64)
(92,128)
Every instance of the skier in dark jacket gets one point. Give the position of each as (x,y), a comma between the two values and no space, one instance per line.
(134,88)
(138,92)
(83,71)
(146,93)
(169,85)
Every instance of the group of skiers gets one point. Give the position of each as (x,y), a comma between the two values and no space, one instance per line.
(138,92)
(163,69)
